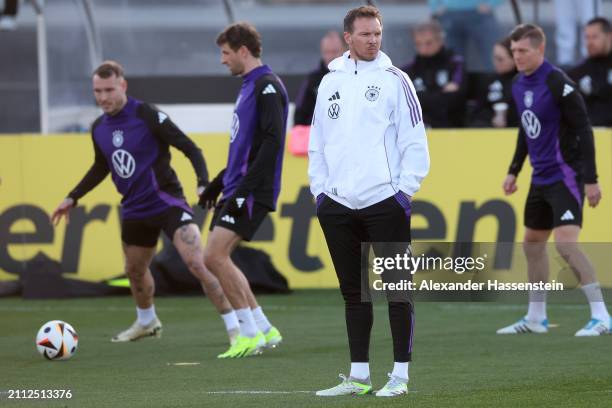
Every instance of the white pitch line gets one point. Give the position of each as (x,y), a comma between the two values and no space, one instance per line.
(259,392)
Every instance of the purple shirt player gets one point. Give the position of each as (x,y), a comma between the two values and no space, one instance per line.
(554,130)
(133,145)
(257,140)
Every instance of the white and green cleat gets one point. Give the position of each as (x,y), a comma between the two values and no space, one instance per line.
(136,331)
(394,387)
(245,346)
(273,338)
(348,386)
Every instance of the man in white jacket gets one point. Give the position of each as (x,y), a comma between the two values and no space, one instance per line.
(368,155)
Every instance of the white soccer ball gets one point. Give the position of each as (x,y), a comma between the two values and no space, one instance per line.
(57,340)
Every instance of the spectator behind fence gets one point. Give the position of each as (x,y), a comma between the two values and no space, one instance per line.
(8,18)
(465,20)
(594,75)
(332,46)
(569,14)
(438,77)
(494,104)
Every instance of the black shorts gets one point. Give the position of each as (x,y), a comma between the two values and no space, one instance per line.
(554,205)
(245,225)
(145,232)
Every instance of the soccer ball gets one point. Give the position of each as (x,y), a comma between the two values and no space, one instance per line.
(57,340)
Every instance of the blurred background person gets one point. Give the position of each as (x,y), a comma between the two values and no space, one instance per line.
(438,77)
(494,104)
(594,74)
(465,20)
(332,46)
(569,14)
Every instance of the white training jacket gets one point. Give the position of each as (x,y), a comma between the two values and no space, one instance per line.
(367,139)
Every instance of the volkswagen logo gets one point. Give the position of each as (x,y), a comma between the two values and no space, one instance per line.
(333,111)
(124,163)
(531,124)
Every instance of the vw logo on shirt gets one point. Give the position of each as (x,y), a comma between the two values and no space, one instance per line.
(333,111)
(531,124)
(124,163)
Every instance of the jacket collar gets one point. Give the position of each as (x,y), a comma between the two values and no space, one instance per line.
(346,63)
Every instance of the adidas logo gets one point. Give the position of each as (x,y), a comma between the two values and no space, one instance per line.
(334,97)
(186,217)
(567,216)
(240,201)
(229,219)
(567,89)
(269,90)
(162,116)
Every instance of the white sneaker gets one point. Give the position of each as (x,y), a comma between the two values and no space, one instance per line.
(394,387)
(136,331)
(595,327)
(525,326)
(348,386)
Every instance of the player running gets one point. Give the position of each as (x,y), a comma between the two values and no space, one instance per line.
(250,183)
(131,141)
(556,134)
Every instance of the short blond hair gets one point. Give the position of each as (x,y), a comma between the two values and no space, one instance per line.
(108,69)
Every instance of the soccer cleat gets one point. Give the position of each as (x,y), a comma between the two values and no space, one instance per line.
(348,386)
(525,326)
(273,338)
(136,331)
(595,327)
(232,335)
(394,387)
(245,346)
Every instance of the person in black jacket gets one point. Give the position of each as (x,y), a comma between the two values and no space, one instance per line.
(332,47)
(494,104)
(438,77)
(594,75)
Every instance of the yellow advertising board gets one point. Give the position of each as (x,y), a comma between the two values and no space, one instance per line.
(460,200)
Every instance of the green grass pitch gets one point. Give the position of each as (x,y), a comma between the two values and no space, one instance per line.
(458,360)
